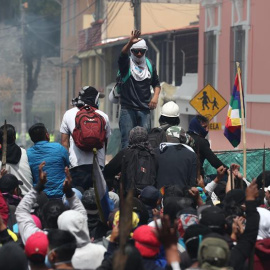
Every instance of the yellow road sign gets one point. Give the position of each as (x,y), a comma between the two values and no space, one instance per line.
(208,102)
(215,126)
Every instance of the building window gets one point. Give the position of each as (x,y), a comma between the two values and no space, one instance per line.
(210,61)
(238,36)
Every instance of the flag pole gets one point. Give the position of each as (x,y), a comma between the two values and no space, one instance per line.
(243,121)
(100,212)
(263,175)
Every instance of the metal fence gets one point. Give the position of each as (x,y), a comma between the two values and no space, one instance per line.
(254,161)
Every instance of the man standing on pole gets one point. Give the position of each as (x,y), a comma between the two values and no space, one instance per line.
(136,100)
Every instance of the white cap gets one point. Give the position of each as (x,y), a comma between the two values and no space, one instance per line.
(170,109)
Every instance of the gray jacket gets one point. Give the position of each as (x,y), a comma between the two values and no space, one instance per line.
(26,224)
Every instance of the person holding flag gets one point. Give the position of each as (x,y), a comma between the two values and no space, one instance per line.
(198,130)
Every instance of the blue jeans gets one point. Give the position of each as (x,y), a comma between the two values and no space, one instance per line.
(131,118)
(82,176)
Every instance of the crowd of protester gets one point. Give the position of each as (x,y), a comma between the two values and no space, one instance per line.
(180,226)
(50,219)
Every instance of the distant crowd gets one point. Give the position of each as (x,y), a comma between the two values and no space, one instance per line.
(151,207)
(51,214)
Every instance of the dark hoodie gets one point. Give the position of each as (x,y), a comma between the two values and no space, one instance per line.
(14,153)
(202,146)
(262,255)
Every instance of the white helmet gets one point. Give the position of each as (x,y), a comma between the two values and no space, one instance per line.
(170,109)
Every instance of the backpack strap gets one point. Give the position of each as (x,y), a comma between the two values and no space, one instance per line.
(124,79)
(149,65)
(165,126)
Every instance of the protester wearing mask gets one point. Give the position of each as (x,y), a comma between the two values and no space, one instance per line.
(81,161)
(178,159)
(135,97)
(169,116)
(87,253)
(198,130)
(62,246)
(139,162)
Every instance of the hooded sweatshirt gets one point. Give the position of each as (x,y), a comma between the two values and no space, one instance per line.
(87,254)
(180,161)
(202,146)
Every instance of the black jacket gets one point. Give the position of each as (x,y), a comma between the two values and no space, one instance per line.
(177,166)
(202,147)
(246,243)
(114,167)
(135,95)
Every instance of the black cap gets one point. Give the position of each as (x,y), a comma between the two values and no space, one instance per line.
(89,199)
(195,230)
(150,193)
(236,195)
(213,217)
(9,182)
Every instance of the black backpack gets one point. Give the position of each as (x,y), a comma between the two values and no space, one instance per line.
(140,169)
(157,135)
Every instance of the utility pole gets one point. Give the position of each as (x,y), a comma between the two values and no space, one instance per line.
(137,14)
(23,107)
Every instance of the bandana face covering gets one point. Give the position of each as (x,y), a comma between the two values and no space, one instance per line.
(138,66)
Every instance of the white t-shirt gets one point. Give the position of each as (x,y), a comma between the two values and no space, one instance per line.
(78,157)
(22,171)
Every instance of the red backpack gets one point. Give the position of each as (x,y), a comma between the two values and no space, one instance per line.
(89,131)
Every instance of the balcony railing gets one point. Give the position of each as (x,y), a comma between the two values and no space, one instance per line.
(90,36)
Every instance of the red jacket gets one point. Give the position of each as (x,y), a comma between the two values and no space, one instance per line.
(3,209)
(262,255)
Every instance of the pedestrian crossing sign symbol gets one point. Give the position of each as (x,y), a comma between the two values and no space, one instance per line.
(208,102)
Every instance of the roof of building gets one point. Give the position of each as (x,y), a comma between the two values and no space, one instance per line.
(111,42)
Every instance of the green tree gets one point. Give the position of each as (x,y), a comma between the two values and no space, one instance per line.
(41,38)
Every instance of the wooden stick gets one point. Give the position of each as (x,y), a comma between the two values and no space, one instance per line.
(263,167)
(232,178)
(125,222)
(242,121)
(4,147)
